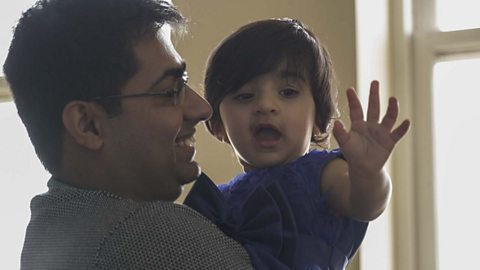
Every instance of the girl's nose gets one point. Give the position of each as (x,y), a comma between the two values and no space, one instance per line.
(266,104)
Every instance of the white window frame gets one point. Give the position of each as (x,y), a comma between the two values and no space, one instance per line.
(417,46)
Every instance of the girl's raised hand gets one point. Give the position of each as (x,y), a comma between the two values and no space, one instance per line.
(369,143)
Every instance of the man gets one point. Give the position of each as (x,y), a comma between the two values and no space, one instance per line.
(103,95)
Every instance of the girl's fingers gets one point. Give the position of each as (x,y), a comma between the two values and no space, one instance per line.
(400,131)
(339,132)
(356,111)
(373,112)
(391,115)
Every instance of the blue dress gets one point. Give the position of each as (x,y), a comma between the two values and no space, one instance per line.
(280,217)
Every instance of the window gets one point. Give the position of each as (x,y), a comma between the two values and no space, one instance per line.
(456,147)
(444,81)
(457,15)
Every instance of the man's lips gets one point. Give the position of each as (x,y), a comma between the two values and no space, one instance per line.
(184,157)
(185,139)
(185,149)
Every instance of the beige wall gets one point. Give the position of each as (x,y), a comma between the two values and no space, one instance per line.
(212,20)
(5,94)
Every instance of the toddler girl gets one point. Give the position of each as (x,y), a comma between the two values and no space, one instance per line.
(271,88)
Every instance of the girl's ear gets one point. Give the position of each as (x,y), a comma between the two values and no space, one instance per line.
(83,122)
(218,131)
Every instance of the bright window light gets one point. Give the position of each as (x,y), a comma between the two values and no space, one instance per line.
(22,177)
(457,145)
(457,14)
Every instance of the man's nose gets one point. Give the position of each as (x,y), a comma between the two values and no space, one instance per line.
(195,107)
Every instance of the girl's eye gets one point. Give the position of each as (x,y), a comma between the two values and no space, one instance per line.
(243,96)
(289,92)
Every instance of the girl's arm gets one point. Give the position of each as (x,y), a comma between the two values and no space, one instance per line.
(360,187)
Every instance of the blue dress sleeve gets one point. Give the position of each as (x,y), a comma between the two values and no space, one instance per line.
(280,216)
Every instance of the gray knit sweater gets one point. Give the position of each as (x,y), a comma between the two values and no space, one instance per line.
(72,228)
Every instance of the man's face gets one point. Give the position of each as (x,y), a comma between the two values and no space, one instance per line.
(150,142)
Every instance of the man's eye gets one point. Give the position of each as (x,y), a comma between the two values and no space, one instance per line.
(169,93)
(176,90)
(289,92)
(163,92)
(243,96)
(179,86)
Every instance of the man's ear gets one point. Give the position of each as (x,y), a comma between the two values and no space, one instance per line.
(219,131)
(83,121)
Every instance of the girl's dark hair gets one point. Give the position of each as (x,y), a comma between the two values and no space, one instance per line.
(260,47)
(65,50)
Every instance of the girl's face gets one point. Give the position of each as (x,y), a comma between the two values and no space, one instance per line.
(269,120)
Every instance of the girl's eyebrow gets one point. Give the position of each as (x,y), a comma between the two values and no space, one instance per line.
(176,72)
(290,74)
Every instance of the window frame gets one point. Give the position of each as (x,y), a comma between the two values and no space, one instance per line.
(417,46)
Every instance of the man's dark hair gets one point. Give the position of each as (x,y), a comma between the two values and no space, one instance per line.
(261,47)
(65,50)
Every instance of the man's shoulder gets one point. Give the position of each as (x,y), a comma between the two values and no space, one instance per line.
(165,235)
(158,214)
(163,220)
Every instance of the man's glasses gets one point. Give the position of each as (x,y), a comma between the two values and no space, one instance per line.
(177,93)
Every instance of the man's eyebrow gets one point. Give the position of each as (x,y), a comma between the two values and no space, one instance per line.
(176,72)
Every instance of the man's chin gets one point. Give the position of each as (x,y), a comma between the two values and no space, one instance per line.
(188,173)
